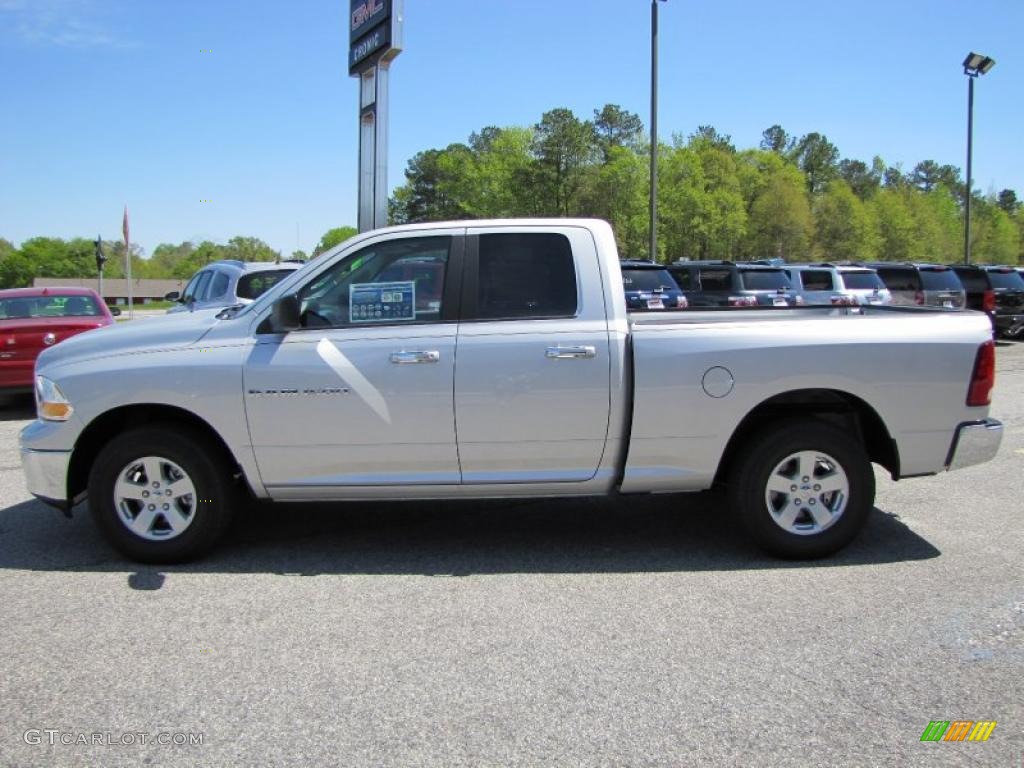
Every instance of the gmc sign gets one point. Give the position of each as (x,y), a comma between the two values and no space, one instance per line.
(367,14)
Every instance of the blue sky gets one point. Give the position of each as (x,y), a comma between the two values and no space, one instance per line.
(247,104)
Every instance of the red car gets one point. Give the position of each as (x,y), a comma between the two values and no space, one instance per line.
(32,319)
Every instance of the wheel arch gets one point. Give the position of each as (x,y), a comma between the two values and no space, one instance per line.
(839,408)
(108,425)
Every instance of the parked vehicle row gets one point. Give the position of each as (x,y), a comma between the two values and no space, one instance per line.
(998,291)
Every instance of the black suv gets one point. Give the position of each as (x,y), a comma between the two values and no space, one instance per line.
(926,285)
(731,284)
(997,291)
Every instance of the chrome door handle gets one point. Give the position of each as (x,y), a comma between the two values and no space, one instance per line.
(570,353)
(410,358)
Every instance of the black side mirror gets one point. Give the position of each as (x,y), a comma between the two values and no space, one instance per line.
(172,296)
(284,315)
(115,311)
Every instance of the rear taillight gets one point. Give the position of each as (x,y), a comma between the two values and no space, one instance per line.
(919,297)
(844,301)
(988,301)
(681,302)
(984,376)
(742,301)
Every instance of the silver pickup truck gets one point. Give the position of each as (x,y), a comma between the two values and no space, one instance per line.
(496,359)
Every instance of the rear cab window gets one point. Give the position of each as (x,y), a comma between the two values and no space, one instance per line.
(1006,279)
(861,280)
(900,278)
(647,279)
(972,280)
(716,279)
(255,284)
(764,280)
(530,275)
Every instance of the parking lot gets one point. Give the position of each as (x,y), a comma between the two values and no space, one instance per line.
(636,631)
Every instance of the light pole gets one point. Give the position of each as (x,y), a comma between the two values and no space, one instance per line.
(654,128)
(975,64)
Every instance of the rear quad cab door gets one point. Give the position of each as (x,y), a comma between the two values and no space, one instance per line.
(532,381)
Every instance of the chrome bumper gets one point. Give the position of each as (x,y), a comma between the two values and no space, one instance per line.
(46,475)
(975,443)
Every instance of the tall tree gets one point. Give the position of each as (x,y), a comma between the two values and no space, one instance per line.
(564,147)
(617,127)
(817,158)
(864,180)
(775,139)
(928,174)
(1008,201)
(896,226)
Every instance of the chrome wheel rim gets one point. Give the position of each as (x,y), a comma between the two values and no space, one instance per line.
(155,498)
(807,493)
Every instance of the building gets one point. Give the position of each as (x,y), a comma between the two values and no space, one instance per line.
(115,290)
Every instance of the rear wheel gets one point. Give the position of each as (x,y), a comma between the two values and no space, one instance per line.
(803,490)
(159,495)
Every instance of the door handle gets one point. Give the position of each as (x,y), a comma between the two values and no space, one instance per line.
(411,358)
(570,353)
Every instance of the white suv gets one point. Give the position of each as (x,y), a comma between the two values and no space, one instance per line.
(838,284)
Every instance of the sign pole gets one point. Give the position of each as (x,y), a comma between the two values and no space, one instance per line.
(375,39)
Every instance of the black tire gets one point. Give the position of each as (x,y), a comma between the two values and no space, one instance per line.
(755,466)
(207,514)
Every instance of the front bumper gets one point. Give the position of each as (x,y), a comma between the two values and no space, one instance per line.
(975,443)
(46,475)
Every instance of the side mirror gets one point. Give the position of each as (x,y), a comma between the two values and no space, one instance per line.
(172,296)
(284,315)
(115,311)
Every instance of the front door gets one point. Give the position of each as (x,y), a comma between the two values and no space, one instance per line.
(361,395)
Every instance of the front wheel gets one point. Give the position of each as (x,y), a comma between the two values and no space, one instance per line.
(803,490)
(159,495)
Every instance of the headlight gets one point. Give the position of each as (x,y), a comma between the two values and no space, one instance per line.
(51,404)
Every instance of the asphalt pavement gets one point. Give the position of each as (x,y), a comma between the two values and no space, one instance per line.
(632,632)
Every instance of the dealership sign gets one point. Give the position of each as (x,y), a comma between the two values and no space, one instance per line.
(371,32)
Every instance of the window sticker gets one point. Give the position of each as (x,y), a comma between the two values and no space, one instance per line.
(382,302)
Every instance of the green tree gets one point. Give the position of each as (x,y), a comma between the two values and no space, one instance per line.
(333,237)
(817,158)
(616,127)
(780,217)
(776,140)
(844,227)
(1008,201)
(938,224)
(995,239)
(863,179)
(564,147)
(928,174)
(249,249)
(896,226)
(617,192)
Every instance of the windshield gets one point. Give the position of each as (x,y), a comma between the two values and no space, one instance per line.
(862,280)
(764,280)
(1007,279)
(647,280)
(940,280)
(54,305)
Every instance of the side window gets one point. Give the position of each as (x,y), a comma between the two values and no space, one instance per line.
(716,280)
(219,286)
(529,275)
(682,278)
(396,281)
(817,280)
(974,280)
